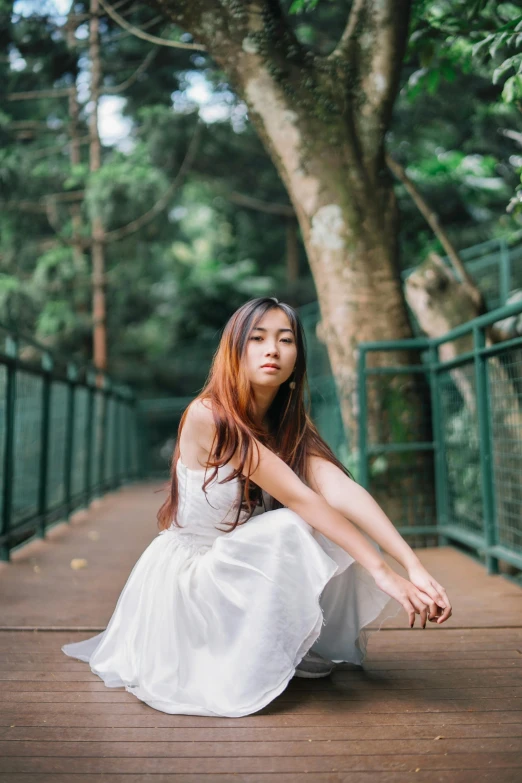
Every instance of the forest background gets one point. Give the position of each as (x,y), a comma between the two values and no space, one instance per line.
(195,215)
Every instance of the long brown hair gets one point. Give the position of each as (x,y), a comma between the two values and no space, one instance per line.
(292,433)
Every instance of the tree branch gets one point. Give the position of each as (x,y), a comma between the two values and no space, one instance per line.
(342,50)
(132,78)
(39,206)
(383,48)
(116,17)
(145,26)
(432,219)
(33,125)
(44,151)
(159,206)
(242,200)
(67,195)
(59,92)
(379,53)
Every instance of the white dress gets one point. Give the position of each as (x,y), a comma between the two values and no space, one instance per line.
(213,623)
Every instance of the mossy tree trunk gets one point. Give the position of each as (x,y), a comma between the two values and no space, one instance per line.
(323,121)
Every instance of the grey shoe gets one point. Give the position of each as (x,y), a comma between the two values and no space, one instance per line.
(314,665)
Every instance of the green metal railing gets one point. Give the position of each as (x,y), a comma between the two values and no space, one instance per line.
(472,456)
(67,435)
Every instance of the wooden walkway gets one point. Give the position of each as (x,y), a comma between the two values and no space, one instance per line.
(440,705)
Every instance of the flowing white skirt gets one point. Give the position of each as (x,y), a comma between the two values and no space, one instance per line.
(220,631)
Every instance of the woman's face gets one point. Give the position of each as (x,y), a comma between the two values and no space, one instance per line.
(271,342)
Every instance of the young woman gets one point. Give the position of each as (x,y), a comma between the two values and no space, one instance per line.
(268,563)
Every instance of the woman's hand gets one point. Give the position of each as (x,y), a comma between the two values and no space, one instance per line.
(412,598)
(439,605)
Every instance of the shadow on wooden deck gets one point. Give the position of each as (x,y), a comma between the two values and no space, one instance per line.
(440,705)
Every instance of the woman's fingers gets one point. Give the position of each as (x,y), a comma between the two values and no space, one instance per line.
(421,605)
(445,614)
(441,595)
(441,610)
(437,612)
(411,612)
(434,594)
(434,609)
(445,604)
(417,602)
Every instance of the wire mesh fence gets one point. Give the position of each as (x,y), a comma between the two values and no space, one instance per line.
(474,402)
(67,435)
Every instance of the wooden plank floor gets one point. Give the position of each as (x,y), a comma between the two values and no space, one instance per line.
(436,705)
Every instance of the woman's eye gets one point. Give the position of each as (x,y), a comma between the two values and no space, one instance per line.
(284,340)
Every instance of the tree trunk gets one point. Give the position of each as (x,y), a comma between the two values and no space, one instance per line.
(292,251)
(97,233)
(75,155)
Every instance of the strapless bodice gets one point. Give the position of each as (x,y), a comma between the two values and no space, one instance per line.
(200,515)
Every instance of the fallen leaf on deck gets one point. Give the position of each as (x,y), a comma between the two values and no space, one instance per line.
(78,562)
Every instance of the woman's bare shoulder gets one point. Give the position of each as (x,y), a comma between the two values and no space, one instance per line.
(198,432)
(200,413)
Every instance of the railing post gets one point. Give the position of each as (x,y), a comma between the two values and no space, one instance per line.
(505,272)
(485,447)
(125,440)
(72,375)
(116,449)
(90,381)
(363,417)
(137,447)
(104,393)
(115,437)
(47,367)
(140,442)
(11,349)
(441,488)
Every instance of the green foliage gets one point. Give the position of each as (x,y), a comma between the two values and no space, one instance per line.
(124,188)
(452,34)
(449,126)
(57,317)
(77,177)
(172,284)
(298,6)
(16,303)
(57,268)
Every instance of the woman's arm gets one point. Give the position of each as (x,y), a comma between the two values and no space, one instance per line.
(355,503)
(279,480)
